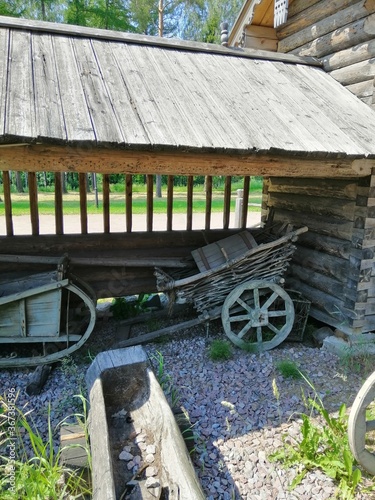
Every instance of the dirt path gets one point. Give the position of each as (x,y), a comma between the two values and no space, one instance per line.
(22,224)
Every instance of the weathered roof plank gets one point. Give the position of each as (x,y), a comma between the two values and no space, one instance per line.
(4,40)
(76,115)
(48,107)
(122,104)
(20,101)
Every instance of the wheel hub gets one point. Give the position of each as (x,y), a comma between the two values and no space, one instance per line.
(259,318)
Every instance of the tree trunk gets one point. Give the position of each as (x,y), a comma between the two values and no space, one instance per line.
(63,182)
(158,186)
(19,184)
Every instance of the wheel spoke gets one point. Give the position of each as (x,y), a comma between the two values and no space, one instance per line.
(256,299)
(273,328)
(242,317)
(244,330)
(276,314)
(269,301)
(243,304)
(259,334)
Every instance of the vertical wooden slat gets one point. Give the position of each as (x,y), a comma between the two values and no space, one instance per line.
(33,197)
(59,219)
(208,182)
(150,201)
(128,202)
(7,204)
(245,201)
(170,203)
(227,194)
(106,221)
(83,201)
(189,202)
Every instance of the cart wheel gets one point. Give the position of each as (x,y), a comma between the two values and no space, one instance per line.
(359,426)
(257,315)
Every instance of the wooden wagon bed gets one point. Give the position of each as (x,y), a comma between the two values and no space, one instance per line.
(241,286)
(35,317)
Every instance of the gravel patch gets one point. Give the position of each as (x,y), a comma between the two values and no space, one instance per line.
(234,439)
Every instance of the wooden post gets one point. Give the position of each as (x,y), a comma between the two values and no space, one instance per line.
(8,204)
(59,220)
(245,201)
(83,202)
(106,219)
(150,201)
(170,203)
(227,195)
(128,202)
(238,210)
(33,197)
(208,184)
(189,203)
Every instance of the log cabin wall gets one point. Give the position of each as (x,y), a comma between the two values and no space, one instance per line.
(341,34)
(334,262)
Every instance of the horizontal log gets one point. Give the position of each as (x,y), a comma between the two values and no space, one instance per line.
(328,25)
(322,263)
(319,281)
(340,39)
(338,188)
(302,5)
(323,317)
(362,89)
(99,261)
(328,207)
(361,52)
(329,245)
(316,223)
(356,73)
(311,15)
(40,158)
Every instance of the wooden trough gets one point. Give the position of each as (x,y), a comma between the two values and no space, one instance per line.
(137,449)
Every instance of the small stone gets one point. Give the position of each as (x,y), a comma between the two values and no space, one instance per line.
(125,455)
(137,459)
(151,471)
(152,482)
(151,448)
(150,458)
(142,446)
(120,414)
(130,465)
(140,438)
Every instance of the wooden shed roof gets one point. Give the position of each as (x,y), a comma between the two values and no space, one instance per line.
(61,84)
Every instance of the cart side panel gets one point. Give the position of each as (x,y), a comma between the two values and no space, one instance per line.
(11,320)
(43,313)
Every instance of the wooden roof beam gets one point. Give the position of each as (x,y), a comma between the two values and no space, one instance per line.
(51,158)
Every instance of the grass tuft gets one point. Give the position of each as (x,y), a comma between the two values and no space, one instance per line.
(288,369)
(220,350)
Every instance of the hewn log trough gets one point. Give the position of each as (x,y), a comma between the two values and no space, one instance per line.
(137,449)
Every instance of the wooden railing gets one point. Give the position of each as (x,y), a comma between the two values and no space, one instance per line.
(128,198)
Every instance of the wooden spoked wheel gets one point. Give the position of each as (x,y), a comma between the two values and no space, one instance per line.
(360,425)
(257,315)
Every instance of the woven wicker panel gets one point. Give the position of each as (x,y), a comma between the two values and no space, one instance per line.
(215,254)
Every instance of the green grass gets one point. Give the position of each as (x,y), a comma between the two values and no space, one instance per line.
(220,350)
(288,369)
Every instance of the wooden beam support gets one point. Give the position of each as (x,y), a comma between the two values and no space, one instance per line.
(33,197)
(83,202)
(150,201)
(189,203)
(8,204)
(106,218)
(169,202)
(227,195)
(128,202)
(59,219)
(39,158)
(245,201)
(208,183)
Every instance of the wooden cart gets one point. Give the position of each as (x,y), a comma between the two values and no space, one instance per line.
(36,317)
(239,278)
